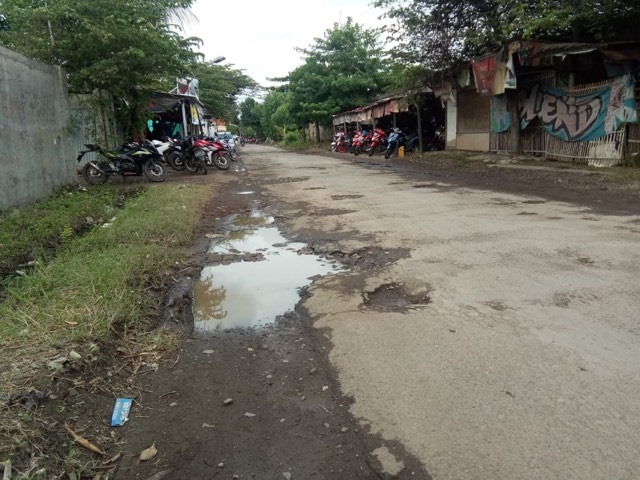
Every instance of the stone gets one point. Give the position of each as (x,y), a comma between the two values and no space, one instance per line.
(228,401)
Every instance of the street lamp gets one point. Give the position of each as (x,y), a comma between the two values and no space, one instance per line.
(218,59)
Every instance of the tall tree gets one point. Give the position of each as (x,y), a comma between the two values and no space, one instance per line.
(250,113)
(125,47)
(596,21)
(440,33)
(220,87)
(275,114)
(343,69)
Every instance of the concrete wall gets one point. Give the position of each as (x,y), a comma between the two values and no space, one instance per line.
(35,150)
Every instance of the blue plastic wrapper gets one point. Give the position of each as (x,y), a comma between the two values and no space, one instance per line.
(121,411)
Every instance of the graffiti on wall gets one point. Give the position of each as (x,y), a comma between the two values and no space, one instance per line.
(580,117)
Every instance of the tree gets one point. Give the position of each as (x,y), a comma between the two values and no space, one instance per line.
(126,47)
(596,21)
(250,116)
(342,70)
(220,86)
(441,33)
(275,114)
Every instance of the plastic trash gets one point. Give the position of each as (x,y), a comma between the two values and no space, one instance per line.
(121,412)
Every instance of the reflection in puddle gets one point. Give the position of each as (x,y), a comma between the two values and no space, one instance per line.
(253,294)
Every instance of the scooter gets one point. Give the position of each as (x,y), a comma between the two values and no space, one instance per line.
(378,141)
(340,143)
(361,141)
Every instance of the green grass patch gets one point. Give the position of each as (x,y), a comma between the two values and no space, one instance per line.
(38,230)
(105,277)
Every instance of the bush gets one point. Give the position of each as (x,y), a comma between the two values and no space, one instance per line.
(292,137)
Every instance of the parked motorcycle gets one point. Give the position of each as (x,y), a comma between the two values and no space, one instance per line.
(397,139)
(171,150)
(361,141)
(378,141)
(216,154)
(437,142)
(133,158)
(341,143)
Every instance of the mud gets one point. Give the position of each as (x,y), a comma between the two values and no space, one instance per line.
(287,413)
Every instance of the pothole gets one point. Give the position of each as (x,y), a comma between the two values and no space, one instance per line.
(285,180)
(534,202)
(392,297)
(258,276)
(367,258)
(345,197)
(327,212)
(527,213)
(497,305)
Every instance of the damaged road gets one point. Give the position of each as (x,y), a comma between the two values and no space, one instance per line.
(464,330)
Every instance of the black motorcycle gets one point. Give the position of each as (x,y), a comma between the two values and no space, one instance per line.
(133,158)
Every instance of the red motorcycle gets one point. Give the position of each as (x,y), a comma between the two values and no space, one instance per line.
(361,141)
(378,142)
(215,152)
(340,143)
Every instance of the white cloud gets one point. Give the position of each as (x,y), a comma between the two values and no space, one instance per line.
(260,36)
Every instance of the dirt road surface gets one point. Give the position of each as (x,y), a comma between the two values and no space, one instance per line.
(485,327)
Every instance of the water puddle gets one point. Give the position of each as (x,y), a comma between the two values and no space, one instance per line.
(247,294)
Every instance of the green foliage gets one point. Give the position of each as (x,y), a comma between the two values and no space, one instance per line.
(125,47)
(220,86)
(292,138)
(441,33)
(576,20)
(275,114)
(37,230)
(250,117)
(344,69)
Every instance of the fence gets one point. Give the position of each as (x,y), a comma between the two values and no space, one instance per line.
(609,150)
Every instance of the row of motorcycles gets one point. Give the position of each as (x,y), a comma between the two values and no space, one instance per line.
(151,157)
(378,140)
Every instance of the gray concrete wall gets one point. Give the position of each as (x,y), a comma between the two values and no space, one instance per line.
(36,156)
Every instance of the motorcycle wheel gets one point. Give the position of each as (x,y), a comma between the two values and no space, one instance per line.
(221,161)
(342,148)
(371,151)
(191,163)
(387,154)
(175,161)
(93,176)
(233,155)
(155,171)
(356,151)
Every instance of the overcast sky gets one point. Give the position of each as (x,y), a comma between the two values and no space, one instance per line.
(260,36)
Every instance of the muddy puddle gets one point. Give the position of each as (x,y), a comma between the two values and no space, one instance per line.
(253,293)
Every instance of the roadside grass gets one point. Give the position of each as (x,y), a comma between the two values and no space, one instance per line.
(37,230)
(103,279)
